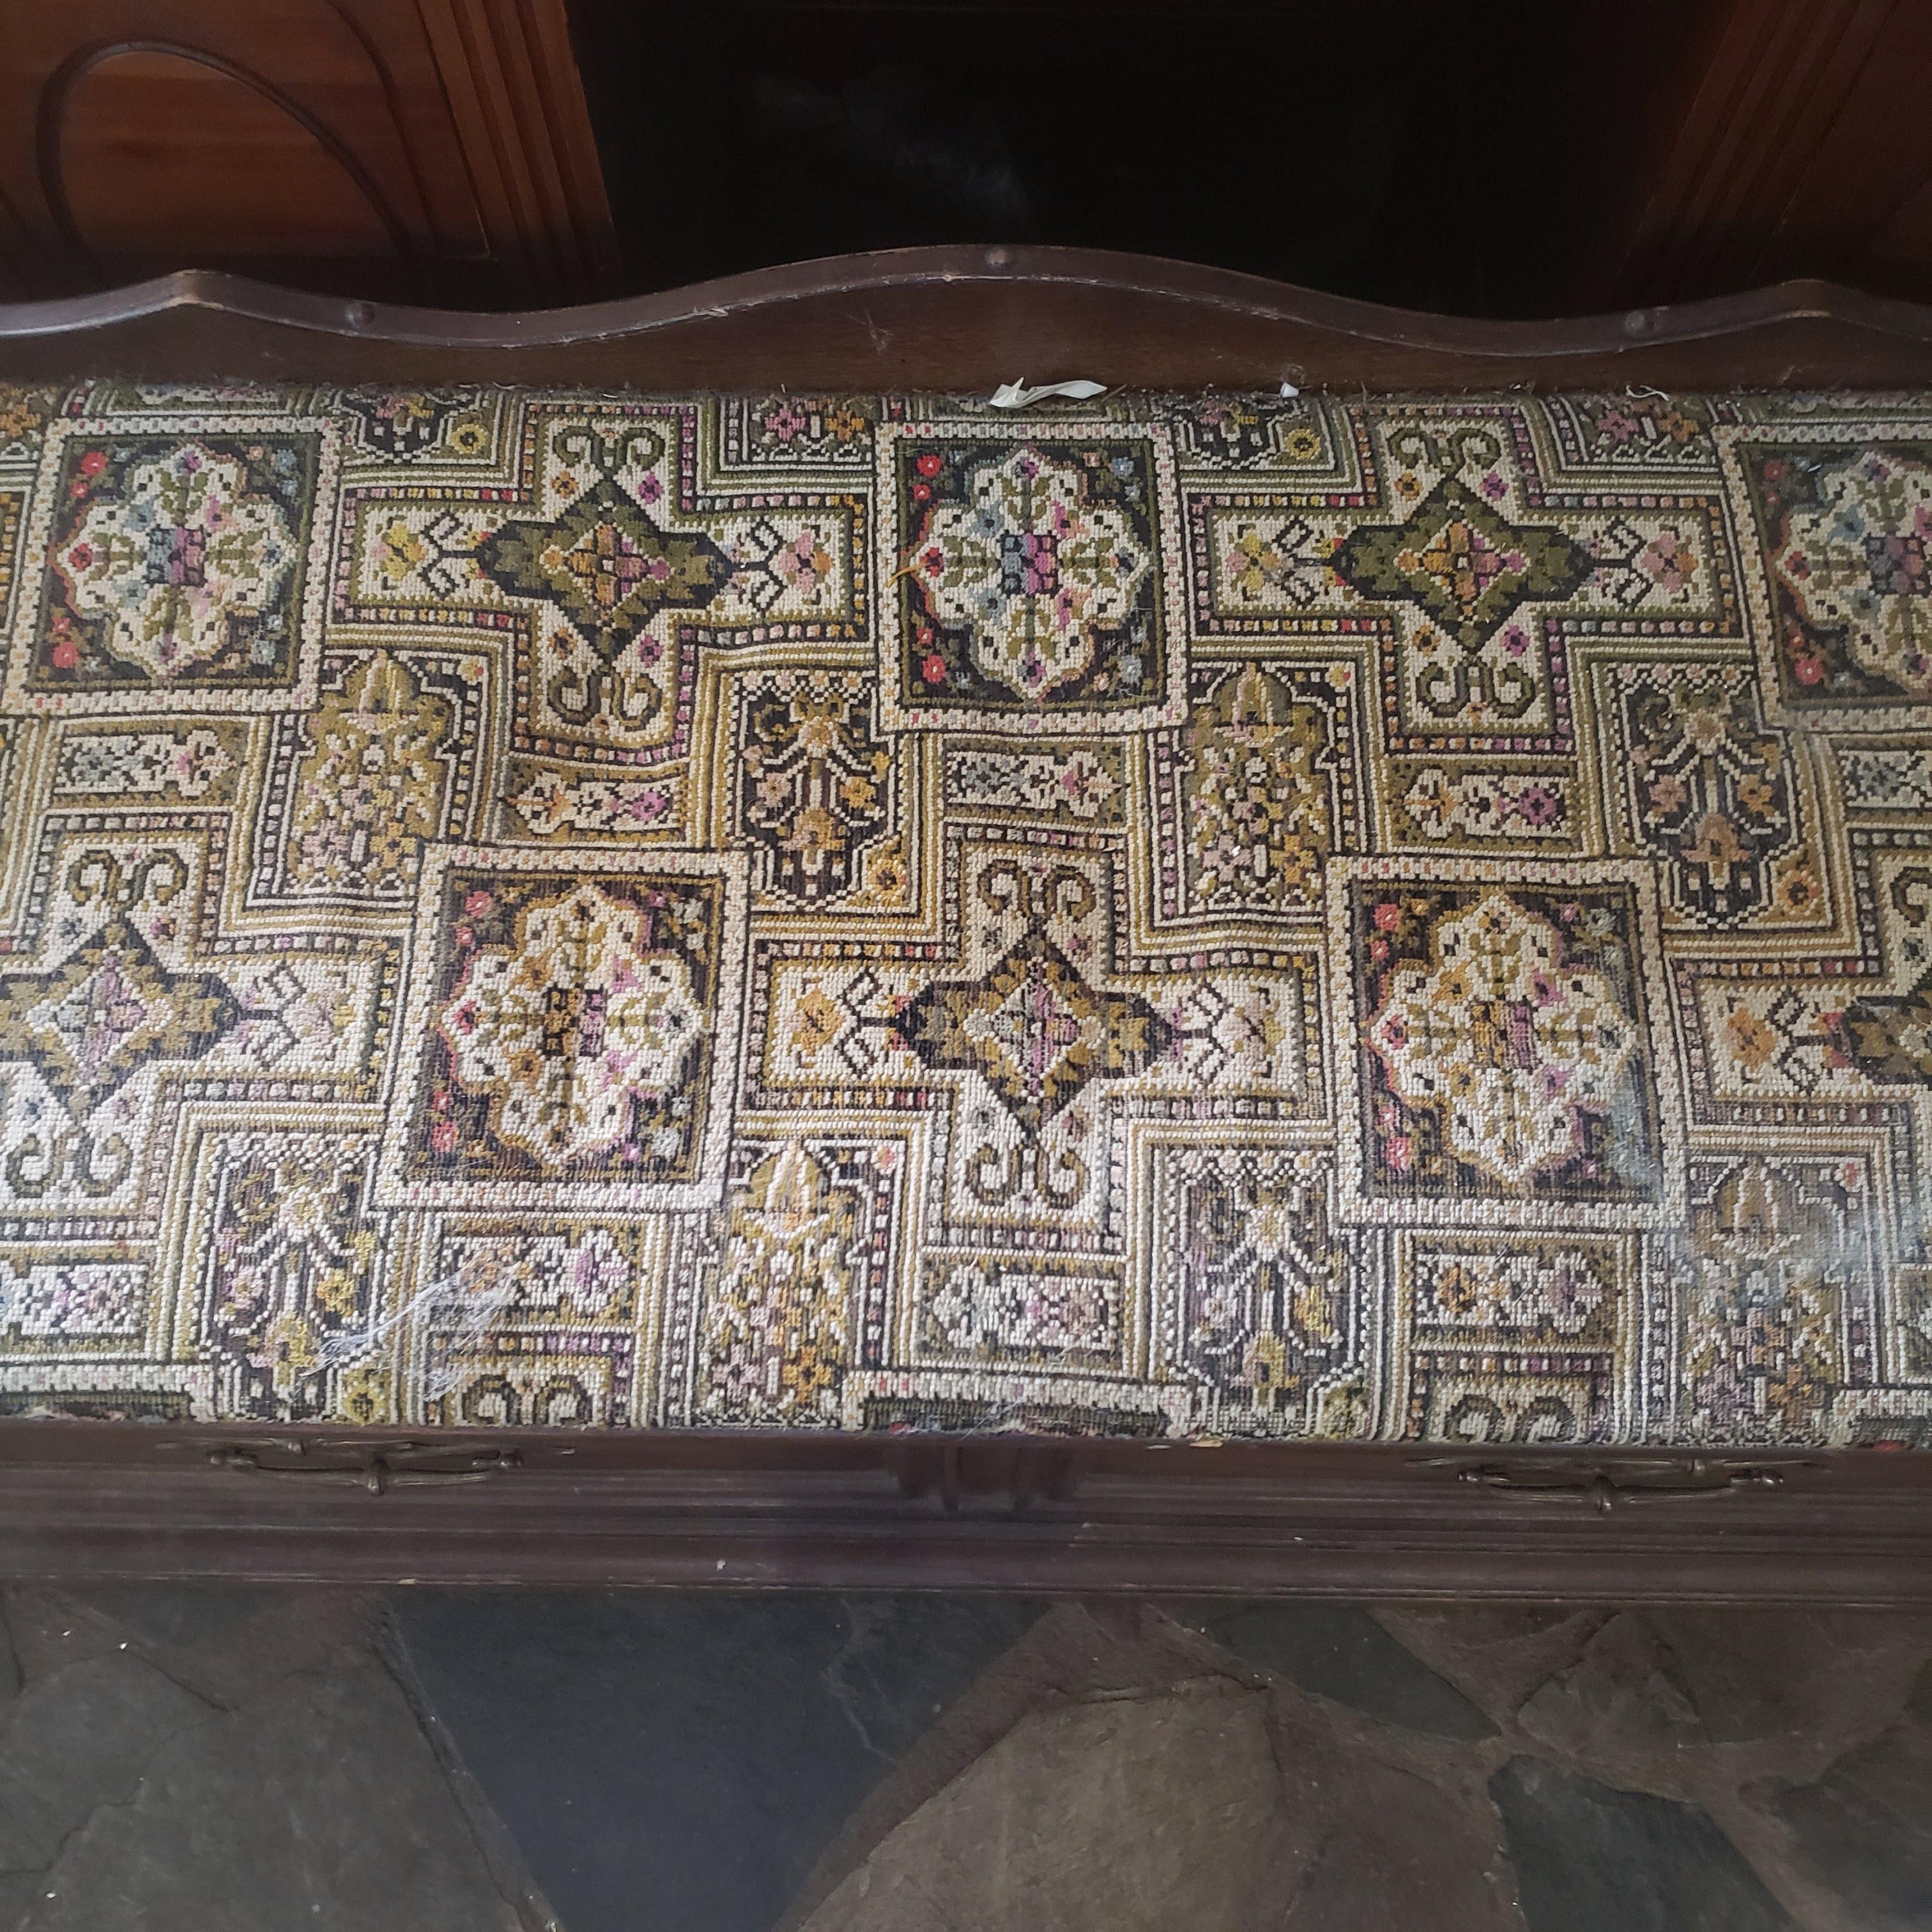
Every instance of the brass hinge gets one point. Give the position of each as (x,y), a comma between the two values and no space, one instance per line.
(1614,1481)
(374,1466)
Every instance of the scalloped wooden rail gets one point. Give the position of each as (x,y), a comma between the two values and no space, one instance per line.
(965,319)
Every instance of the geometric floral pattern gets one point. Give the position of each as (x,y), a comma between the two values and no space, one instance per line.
(1847,529)
(178,560)
(1515,1058)
(577,1026)
(1271,916)
(1035,583)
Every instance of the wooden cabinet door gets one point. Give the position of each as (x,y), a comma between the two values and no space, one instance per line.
(1801,147)
(437,149)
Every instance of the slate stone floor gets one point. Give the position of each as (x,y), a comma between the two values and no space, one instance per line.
(227,1760)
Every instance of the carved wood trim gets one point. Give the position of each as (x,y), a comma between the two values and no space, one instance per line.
(512,83)
(1802,142)
(56,95)
(967,318)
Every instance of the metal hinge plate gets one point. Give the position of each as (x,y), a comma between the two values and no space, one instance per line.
(376,1467)
(1609,1482)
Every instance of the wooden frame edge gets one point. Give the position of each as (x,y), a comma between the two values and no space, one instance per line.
(82,1501)
(964,318)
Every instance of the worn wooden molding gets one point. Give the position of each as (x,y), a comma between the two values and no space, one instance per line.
(82,1500)
(966,318)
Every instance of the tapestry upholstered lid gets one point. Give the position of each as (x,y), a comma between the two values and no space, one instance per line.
(1196,915)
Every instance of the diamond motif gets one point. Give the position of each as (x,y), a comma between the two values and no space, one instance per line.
(1889,1038)
(1465,564)
(176,564)
(1852,564)
(1514,1063)
(606,565)
(1029,577)
(1034,566)
(1034,1031)
(1506,1040)
(594,910)
(571,1013)
(108,1010)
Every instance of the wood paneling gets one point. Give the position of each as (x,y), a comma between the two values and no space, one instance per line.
(377,145)
(134,126)
(512,83)
(1803,148)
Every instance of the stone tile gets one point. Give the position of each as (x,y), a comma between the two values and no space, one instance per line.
(1104,1646)
(222,1759)
(229,1644)
(495,1846)
(1623,1691)
(1754,1674)
(1341,1652)
(1403,1853)
(9,1665)
(1075,1652)
(1484,1625)
(17,1892)
(1494,1653)
(1659,1698)
(699,1752)
(1863,1831)
(79,1738)
(1403,1829)
(182,1616)
(318,1806)
(50,1630)
(1115,1815)
(1590,1858)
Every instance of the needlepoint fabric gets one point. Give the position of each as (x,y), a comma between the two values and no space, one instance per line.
(1286,917)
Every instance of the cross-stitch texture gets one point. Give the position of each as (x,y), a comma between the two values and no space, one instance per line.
(1196,915)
